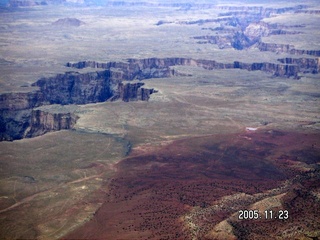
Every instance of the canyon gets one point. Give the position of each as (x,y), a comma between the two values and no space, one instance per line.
(159,120)
(19,119)
(107,85)
(75,88)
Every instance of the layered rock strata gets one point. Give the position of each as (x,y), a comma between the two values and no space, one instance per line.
(18,119)
(243,27)
(134,91)
(76,88)
(286,48)
(160,67)
(42,122)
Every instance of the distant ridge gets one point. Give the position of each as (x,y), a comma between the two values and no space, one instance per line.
(68,22)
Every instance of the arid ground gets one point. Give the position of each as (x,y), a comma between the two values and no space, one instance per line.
(154,120)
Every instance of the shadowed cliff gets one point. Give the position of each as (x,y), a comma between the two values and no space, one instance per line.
(17,115)
(20,119)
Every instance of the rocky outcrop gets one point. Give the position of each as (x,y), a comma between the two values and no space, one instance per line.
(283,32)
(137,68)
(20,101)
(29,123)
(273,47)
(236,16)
(76,88)
(68,22)
(19,119)
(278,70)
(306,65)
(134,92)
(308,11)
(13,124)
(264,11)
(86,64)
(42,122)
(162,67)
(242,28)
(223,41)
(15,113)
(286,48)
(243,35)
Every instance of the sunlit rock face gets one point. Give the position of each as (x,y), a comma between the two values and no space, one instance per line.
(107,85)
(19,120)
(43,122)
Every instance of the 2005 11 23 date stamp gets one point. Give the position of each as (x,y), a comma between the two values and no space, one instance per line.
(265,215)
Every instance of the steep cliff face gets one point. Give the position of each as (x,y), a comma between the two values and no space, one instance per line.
(13,124)
(19,120)
(242,40)
(273,47)
(247,34)
(20,101)
(31,123)
(285,48)
(133,69)
(306,65)
(243,27)
(308,11)
(134,92)
(262,10)
(15,113)
(278,70)
(85,64)
(160,67)
(76,88)
(42,122)
(237,16)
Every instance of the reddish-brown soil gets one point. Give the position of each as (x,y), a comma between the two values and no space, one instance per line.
(150,192)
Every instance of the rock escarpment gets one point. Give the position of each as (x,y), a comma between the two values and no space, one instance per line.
(133,69)
(161,67)
(243,27)
(286,48)
(18,119)
(246,35)
(93,87)
(42,122)
(15,113)
(13,124)
(68,22)
(134,91)
(76,88)
(306,65)
(20,101)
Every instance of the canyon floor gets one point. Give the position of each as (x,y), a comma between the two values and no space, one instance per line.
(232,122)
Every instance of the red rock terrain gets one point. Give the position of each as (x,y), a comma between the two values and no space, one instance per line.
(152,193)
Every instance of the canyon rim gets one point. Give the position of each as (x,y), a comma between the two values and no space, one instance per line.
(159,120)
